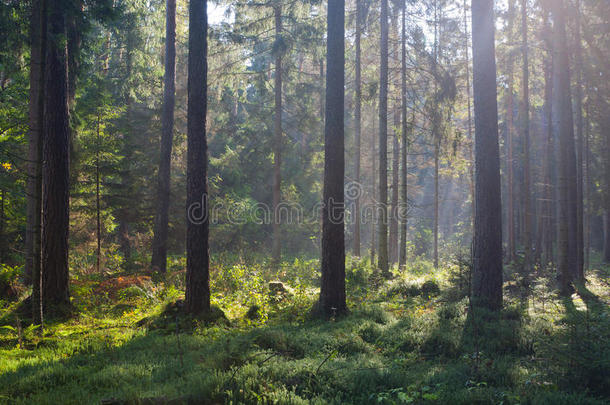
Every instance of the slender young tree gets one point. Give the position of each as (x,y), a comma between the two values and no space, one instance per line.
(563,130)
(510,221)
(332,293)
(578,62)
(487,249)
(383,144)
(393,237)
(159,254)
(197,231)
(276,249)
(56,168)
(38,33)
(357,125)
(402,251)
(525,128)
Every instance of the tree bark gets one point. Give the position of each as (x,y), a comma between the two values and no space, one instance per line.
(580,275)
(402,251)
(33,240)
(159,254)
(197,249)
(510,221)
(56,168)
(383,144)
(525,127)
(332,293)
(566,168)
(393,240)
(487,249)
(277,142)
(357,127)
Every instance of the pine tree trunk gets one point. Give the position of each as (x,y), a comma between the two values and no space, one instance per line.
(197,231)
(357,127)
(98,220)
(402,253)
(566,168)
(33,238)
(332,293)
(277,143)
(487,249)
(510,221)
(469,104)
(383,144)
(393,240)
(580,275)
(159,254)
(56,169)
(528,230)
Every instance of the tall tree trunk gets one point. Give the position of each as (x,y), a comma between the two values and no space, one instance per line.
(487,249)
(197,230)
(357,127)
(124,214)
(383,143)
(159,254)
(393,240)
(436,136)
(566,168)
(510,221)
(56,169)
(98,221)
(276,251)
(374,217)
(469,104)
(525,127)
(547,231)
(33,238)
(402,253)
(332,293)
(580,275)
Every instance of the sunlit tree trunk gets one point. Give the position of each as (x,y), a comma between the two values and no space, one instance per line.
(332,293)
(579,146)
(393,239)
(383,144)
(487,249)
(469,106)
(56,168)
(159,254)
(197,231)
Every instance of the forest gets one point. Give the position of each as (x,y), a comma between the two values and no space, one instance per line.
(305,202)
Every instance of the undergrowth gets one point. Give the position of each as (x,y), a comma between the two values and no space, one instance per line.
(412,340)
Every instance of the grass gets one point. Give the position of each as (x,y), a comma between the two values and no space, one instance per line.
(409,341)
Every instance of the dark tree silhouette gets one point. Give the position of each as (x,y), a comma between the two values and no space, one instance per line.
(487,249)
(56,167)
(357,125)
(332,293)
(197,231)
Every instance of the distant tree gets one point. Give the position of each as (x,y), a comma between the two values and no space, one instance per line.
(56,167)
(402,251)
(159,254)
(383,143)
(510,163)
(563,130)
(197,249)
(357,124)
(276,250)
(525,129)
(487,249)
(332,293)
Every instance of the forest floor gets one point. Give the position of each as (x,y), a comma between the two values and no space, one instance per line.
(411,340)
